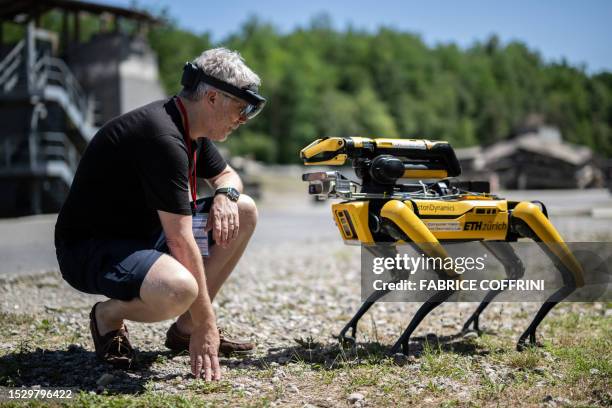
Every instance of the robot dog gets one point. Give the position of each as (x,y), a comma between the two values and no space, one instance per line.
(381,209)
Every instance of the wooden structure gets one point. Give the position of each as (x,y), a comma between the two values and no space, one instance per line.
(537,158)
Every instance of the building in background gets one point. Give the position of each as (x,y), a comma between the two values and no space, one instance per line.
(534,158)
(57,88)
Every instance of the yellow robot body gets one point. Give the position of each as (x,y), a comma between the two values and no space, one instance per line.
(351,218)
(447,220)
(465,219)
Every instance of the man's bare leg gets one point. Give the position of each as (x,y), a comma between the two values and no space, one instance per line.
(222,261)
(167,291)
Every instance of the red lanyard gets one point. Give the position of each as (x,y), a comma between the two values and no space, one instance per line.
(192,174)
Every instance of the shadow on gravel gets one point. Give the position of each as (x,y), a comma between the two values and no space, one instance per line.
(77,369)
(334,356)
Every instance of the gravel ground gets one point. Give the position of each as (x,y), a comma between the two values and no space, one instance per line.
(290,298)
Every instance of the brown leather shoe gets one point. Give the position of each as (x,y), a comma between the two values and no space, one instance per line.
(177,341)
(114,347)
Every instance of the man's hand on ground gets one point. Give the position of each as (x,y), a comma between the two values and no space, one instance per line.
(223,220)
(204,352)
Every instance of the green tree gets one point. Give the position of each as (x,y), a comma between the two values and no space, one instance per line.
(323,82)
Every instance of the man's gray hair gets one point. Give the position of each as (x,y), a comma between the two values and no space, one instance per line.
(225,65)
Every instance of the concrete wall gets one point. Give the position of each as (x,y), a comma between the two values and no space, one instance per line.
(139,77)
(119,70)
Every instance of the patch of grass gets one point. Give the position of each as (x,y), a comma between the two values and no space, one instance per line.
(161,359)
(525,360)
(363,377)
(580,321)
(265,372)
(450,404)
(389,384)
(583,343)
(379,376)
(14,320)
(581,359)
(25,346)
(204,387)
(523,314)
(434,388)
(489,389)
(373,353)
(569,321)
(437,363)
(44,325)
(327,377)
(147,400)
(278,391)
(491,343)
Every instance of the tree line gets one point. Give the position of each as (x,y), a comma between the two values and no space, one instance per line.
(324,82)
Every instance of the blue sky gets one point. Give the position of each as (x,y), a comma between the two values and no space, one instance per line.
(579,31)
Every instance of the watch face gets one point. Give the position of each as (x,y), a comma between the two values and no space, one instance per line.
(233,194)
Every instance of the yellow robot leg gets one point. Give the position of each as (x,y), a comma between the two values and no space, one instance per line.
(514,268)
(546,233)
(402,216)
(350,339)
(529,221)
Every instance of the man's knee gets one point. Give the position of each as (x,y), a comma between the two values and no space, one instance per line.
(247,212)
(182,289)
(169,286)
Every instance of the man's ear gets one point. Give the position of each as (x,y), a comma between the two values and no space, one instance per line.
(212,96)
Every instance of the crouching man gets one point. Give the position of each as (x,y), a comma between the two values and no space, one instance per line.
(132,230)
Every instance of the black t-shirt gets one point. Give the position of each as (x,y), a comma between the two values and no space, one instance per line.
(135,165)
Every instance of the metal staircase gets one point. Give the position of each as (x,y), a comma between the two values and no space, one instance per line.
(48,123)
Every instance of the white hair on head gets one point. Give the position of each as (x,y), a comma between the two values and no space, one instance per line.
(225,65)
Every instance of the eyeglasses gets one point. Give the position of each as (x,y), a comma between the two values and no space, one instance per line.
(243,105)
(249,110)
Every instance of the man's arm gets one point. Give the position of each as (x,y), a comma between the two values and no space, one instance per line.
(223,218)
(204,343)
(227,178)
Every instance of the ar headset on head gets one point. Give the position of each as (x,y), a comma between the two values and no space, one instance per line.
(192,75)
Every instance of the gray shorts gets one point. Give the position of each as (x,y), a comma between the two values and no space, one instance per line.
(114,268)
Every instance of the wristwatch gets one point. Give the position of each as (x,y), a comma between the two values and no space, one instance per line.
(230,192)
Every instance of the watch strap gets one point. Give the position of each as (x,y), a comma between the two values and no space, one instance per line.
(231,192)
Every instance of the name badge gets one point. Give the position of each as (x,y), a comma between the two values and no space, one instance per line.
(201,236)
